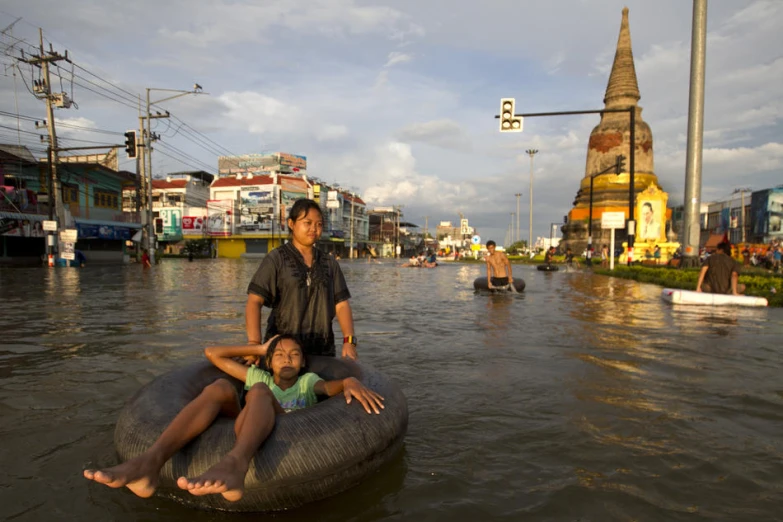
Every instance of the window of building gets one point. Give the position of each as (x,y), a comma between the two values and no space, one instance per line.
(105,198)
(70,193)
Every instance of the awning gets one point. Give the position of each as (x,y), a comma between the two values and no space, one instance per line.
(22,216)
(84,221)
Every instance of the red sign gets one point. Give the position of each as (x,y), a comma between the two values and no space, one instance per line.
(195,223)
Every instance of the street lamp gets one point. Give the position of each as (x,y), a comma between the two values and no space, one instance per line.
(531,153)
(148,152)
(511,229)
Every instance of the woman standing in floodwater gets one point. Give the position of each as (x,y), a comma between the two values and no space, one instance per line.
(305,289)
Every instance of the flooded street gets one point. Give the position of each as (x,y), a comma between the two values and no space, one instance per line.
(584,398)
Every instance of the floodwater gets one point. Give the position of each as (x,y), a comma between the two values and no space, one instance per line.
(584,398)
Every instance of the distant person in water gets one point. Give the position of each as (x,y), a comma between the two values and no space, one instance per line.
(569,258)
(498,267)
(268,396)
(549,255)
(720,273)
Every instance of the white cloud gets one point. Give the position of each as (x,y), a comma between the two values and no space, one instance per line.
(396,57)
(397,180)
(445,133)
(222,23)
(331,133)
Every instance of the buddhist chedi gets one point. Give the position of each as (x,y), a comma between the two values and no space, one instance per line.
(610,138)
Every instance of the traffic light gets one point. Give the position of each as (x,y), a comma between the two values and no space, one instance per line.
(619,166)
(158,225)
(130,143)
(509,122)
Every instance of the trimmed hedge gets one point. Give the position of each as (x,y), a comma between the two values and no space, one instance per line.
(757,282)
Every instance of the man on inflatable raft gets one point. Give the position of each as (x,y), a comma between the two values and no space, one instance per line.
(498,263)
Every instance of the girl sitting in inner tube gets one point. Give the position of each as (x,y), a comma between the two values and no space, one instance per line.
(267,396)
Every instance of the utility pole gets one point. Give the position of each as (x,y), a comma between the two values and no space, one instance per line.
(511,229)
(518,194)
(148,139)
(691,225)
(350,255)
(42,61)
(531,153)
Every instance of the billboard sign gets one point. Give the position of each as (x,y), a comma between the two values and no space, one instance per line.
(331,199)
(220,217)
(766,208)
(193,225)
(172,224)
(293,160)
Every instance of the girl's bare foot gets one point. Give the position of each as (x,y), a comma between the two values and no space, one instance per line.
(227,477)
(140,475)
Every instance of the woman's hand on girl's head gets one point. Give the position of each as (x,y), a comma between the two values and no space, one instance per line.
(371,401)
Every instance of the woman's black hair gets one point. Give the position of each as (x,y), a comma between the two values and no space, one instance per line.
(270,351)
(301,207)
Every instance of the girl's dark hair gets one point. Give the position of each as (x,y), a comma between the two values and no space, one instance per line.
(301,207)
(270,352)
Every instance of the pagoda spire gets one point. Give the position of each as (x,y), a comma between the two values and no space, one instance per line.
(622,89)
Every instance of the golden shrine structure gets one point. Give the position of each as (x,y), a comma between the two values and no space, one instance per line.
(610,138)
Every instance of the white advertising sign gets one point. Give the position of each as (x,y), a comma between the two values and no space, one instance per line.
(613,220)
(50,226)
(68,235)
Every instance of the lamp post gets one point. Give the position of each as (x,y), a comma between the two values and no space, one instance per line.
(511,229)
(517,195)
(531,153)
(148,152)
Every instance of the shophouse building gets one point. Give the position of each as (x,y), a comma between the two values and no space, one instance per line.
(179,206)
(89,200)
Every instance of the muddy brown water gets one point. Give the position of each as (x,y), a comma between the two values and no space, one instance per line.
(584,398)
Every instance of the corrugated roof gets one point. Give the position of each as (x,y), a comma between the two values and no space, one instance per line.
(19,151)
(173,184)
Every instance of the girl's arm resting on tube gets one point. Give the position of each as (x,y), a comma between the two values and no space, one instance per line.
(352,388)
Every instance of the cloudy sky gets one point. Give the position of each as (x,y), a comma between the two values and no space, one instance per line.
(396,98)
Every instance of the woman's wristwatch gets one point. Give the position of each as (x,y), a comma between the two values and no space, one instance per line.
(350,339)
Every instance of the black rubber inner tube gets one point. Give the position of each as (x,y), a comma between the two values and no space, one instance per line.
(548,268)
(481,284)
(311,454)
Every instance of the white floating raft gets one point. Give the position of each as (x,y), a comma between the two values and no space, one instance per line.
(689,297)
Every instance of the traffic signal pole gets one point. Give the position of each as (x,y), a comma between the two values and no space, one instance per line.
(513,123)
(617,167)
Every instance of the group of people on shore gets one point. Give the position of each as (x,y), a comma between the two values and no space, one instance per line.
(306,291)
